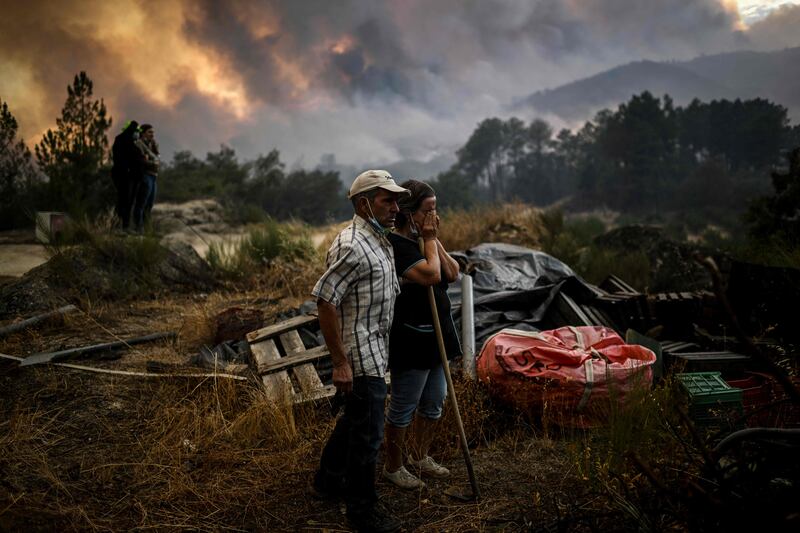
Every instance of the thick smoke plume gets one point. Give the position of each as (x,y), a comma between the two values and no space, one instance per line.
(365,80)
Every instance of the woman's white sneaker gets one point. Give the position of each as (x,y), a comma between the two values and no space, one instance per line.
(403,478)
(430,467)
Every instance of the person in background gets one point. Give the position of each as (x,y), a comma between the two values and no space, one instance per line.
(146,190)
(419,386)
(126,171)
(355,301)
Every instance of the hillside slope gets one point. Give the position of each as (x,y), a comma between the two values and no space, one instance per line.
(771,75)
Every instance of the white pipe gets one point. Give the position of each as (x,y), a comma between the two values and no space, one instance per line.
(467,327)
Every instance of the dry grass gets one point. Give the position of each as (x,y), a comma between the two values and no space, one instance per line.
(90,452)
(106,454)
(514,223)
(147,455)
(323,238)
(262,245)
(511,223)
(81,451)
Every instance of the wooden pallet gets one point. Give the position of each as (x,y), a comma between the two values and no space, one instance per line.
(564,311)
(615,285)
(277,369)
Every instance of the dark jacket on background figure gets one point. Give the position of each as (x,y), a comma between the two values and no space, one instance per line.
(127,158)
(126,171)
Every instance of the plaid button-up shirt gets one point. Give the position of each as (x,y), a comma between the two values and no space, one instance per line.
(361,282)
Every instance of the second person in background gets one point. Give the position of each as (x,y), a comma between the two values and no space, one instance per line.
(146,191)
(419,386)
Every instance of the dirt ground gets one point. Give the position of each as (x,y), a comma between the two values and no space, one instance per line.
(84,451)
(17,258)
(19,253)
(88,451)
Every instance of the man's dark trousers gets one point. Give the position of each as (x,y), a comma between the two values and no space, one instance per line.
(126,193)
(349,458)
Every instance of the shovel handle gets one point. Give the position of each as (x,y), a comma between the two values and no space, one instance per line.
(454,402)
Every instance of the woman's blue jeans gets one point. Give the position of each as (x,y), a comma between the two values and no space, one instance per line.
(145,196)
(422,391)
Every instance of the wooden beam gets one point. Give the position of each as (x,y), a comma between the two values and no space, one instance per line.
(572,311)
(296,359)
(325,392)
(17,326)
(51,357)
(130,373)
(276,329)
(278,385)
(619,285)
(306,374)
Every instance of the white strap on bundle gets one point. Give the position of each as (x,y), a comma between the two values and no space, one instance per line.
(587,390)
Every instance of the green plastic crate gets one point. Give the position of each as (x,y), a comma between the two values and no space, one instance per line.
(709,388)
(711,400)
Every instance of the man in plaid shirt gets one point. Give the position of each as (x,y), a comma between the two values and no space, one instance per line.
(355,300)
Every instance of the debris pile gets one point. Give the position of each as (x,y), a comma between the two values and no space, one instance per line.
(110,270)
(689,331)
(515,288)
(672,263)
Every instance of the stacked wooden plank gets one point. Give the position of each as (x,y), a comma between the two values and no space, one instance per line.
(615,304)
(678,311)
(730,364)
(615,285)
(689,357)
(285,364)
(624,305)
(289,370)
(564,311)
(674,347)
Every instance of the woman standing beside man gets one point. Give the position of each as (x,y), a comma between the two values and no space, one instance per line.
(146,190)
(418,380)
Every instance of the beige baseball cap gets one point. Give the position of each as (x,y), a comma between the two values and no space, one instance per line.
(373,179)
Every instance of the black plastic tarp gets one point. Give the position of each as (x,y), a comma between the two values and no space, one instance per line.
(513,287)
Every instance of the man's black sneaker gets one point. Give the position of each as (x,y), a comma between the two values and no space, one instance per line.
(373,521)
(319,493)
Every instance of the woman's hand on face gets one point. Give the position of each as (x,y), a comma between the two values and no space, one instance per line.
(430,226)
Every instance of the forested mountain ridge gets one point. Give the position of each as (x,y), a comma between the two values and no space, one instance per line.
(771,75)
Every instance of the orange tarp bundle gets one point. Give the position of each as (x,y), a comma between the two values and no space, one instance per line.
(569,372)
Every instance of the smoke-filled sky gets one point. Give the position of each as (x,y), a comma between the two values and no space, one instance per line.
(368,81)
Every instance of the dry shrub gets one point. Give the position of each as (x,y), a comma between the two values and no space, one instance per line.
(214,451)
(484,420)
(199,320)
(290,280)
(515,223)
(264,417)
(198,328)
(324,236)
(262,244)
(114,454)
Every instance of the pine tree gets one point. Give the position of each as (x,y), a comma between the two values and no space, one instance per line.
(17,173)
(73,156)
(777,217)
